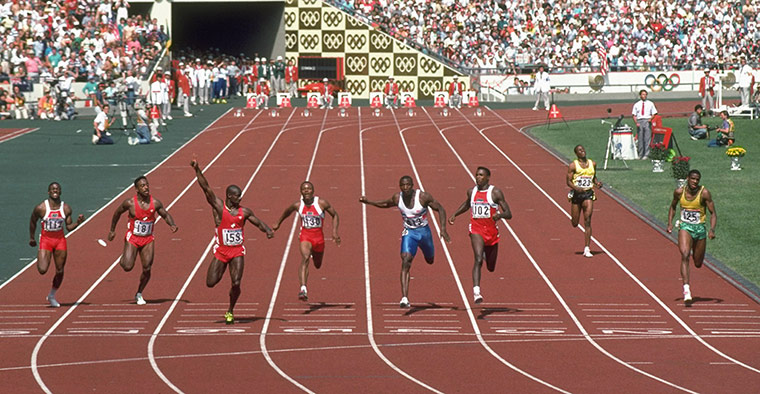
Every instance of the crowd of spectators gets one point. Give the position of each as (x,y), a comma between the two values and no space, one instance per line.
(571,35)
(58,42)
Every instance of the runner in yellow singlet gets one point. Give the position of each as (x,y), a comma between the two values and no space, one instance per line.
(692,235)
(581,178)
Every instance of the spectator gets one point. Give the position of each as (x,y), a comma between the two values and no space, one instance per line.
(697,130)
(745,81)
(279,75)
(542,87)
(19,106)
(707,91)
(291,79)
(455,93)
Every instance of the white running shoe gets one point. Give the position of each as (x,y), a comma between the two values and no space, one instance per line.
(478,298)
(404,303)
(53,302)
(169,117)
(587,252)
(139,299)
(188,115)
(535,108)
(687,295)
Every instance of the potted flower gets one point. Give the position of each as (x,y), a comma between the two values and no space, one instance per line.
(658,153)
(680,167)
(735,152)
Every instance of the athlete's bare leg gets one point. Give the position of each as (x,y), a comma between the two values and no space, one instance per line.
(236,275)
(303,272)
(491,253)
(698,252)
(146,257)
(406,265)
(575,214)
(128,256)
(588,210)
(60,263)
(478,252)
(215,272)
(684,245)
(43,260)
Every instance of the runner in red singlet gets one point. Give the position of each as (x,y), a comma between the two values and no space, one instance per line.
(312,210)
(230,218)
(54,213)
(484,201)
(142,210)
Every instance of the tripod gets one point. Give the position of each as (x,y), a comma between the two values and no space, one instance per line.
(613,150)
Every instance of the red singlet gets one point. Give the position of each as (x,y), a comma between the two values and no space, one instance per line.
(312,217)
(51,234)
(483,208)
(228,242)
(140,226)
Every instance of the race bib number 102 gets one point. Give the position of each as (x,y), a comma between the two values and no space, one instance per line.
(481,211)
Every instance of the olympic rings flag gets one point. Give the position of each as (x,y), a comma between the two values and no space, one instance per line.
(314,28)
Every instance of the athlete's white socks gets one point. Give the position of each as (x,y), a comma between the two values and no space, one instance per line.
(303,288)
(476,290)
(52,292)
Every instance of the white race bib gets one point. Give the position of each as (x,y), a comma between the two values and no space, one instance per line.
(142,229)
(691,216)
(232,236)
(583,181)
(53,224)
(308,221)
(414,222)
(481,211)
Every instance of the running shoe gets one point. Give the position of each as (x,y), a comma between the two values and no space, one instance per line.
(302,296)
(139,299)
(587,252)
(404,303)
(53,302)
(228,318)
(687,295)
(478,298)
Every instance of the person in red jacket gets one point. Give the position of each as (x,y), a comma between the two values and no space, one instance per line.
(326,91)
(707,91)
(455,93)
(291,78)
(184,85)
(262,94)
(391,92)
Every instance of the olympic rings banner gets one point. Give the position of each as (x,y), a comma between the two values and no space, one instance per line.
(313,28)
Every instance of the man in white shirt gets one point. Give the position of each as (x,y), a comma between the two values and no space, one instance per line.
(542,87)
(157,93)
(745,81)
(100,125)
(643,111)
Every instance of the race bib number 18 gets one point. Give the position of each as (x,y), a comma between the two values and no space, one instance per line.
(232,237)
(53,224)
(142,229)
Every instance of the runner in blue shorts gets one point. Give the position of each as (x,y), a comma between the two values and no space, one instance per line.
(413,204)
(692,236)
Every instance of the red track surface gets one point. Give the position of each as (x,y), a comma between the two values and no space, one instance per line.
(9,134)
(552,319)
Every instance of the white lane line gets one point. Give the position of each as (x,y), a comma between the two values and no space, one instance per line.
(81,299)
(543,275)
(367,286)
(613,257)
(454,272)
(16,134)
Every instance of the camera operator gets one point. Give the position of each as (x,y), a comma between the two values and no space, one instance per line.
(132,86)
(697,130)
(19,107)
(100,125)
(142,129)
